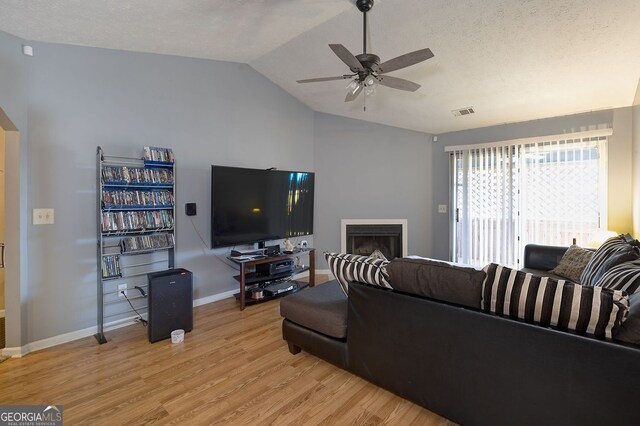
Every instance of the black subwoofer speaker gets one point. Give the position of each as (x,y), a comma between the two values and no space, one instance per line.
(170,303)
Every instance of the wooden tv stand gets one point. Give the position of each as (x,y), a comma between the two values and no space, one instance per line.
(252,278)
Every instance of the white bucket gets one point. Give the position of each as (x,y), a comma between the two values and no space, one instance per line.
(177,336)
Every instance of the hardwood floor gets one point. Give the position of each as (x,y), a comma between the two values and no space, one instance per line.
(233,368)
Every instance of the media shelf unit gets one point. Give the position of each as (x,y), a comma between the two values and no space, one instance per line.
(135,199)
(246,278)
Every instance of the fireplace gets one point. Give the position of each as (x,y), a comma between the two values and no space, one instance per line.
(364,236)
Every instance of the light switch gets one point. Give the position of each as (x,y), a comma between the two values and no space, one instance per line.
(43,216)
(442,208)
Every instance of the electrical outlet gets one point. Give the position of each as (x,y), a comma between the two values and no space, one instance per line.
(442,208)
(121,288)
(43,216)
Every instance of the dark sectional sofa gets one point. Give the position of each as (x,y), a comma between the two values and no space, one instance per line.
(469,366)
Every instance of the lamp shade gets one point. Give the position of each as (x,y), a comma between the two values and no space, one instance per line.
(600,237)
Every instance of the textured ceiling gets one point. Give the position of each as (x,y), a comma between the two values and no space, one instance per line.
(510,60)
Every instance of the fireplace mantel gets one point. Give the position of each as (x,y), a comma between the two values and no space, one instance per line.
(345,222)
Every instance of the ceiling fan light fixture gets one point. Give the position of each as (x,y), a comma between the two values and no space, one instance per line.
(353,86)
(370,85)
(370,90)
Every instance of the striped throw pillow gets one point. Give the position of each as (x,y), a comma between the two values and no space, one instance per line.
(625,277)
(352,267)
(557,303)
(613,252)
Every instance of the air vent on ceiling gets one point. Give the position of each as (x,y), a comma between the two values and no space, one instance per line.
(463,111)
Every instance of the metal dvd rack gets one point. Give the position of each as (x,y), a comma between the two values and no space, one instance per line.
(135,199)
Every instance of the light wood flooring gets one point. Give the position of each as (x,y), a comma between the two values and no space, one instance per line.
(233,368)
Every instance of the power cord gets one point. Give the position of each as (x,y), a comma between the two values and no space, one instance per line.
(204,244)
(139,319)
(197,233)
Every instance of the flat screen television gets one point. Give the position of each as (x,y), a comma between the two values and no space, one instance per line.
(253,205)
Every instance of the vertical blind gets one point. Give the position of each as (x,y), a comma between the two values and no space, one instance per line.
(543,190)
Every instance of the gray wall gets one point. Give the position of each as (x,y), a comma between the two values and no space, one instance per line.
(210,113)
(620,162)
(371,171)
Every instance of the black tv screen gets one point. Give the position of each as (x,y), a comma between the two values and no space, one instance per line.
(252,205)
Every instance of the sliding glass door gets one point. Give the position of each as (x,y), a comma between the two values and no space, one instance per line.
(505,196)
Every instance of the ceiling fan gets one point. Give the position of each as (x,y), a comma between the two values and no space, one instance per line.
(367,71)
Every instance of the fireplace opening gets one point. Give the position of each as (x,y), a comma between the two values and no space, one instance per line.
(364,239)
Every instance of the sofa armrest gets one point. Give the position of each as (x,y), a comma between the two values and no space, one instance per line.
(542,257)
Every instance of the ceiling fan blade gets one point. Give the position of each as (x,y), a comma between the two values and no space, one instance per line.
(405,60)
(352,94)
(315,80)
(398,83)
(347,57)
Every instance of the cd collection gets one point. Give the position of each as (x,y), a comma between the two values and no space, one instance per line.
(136,221)
(111,266)
(135,175)
(146,242)
(137,199)
(153,153)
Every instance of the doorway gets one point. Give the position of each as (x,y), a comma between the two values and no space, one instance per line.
(2,285)
(12,232)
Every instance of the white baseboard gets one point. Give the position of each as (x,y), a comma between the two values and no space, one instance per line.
(214,298)
(1,313)
(12,352)
(304,274)
(20,351)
